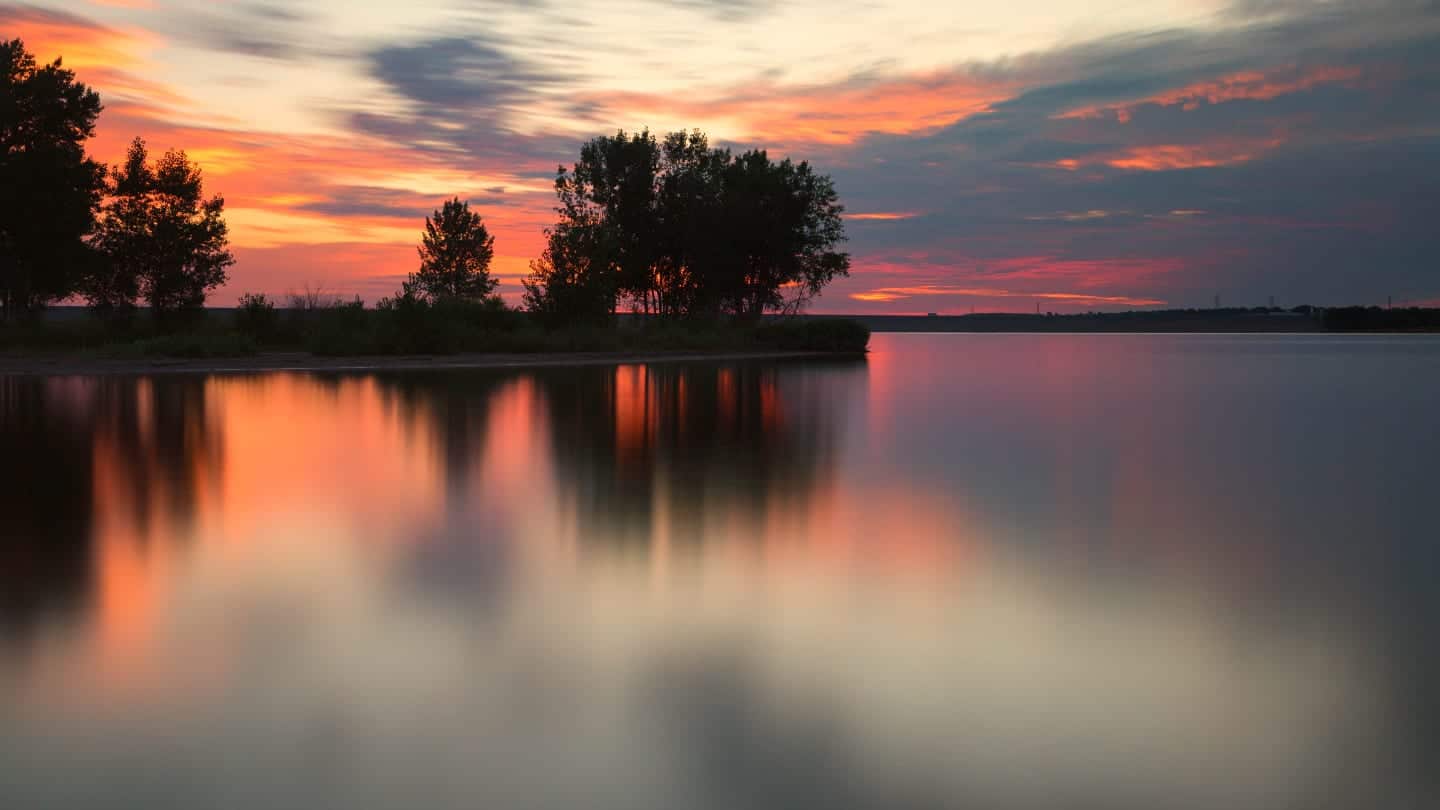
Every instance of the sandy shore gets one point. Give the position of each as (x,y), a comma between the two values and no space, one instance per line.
(61,364)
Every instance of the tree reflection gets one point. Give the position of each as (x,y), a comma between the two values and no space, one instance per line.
(456,406)
(125,451)
(668,447)
(45,501)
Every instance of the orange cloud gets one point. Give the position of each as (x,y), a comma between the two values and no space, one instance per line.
(828,114)
(107,59)
(1246,85)
(888,294)
(882,216)
(1168,157)
(1172,156)
(83,44)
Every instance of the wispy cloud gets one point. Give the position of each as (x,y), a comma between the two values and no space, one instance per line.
(881,216)
(888,294)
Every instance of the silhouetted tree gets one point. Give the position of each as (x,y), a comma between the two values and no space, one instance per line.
(124,236)
(782,221)
(570,282)
(695,239)
(455,254)
(162,239)
(612,188)
(49,189)
(687,230)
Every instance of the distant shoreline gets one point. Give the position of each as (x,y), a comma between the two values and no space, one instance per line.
(59,365)
(1335,321)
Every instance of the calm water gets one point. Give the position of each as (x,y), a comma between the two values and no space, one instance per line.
(991,571)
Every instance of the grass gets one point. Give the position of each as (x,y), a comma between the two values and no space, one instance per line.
(340,329)
(227,344)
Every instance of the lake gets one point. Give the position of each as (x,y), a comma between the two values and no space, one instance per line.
(990,571)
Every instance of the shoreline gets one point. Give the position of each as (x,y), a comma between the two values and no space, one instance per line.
(62,365)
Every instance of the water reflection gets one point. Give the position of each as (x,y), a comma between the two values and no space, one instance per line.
(928,580)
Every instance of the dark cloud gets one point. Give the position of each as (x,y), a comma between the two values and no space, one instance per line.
(23,13)
(259,29)
(459,74)
(1326,191)
(463,93)
(370,201)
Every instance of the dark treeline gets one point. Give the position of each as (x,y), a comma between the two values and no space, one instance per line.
(701,241)
(1377,319)
(1303,318)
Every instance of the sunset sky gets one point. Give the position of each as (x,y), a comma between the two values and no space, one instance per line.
(1082,155)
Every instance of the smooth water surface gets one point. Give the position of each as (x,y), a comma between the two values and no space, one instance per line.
(990,571)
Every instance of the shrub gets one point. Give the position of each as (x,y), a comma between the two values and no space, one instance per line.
(225,344)
(827,335)
(256,317)
(341,328)
(409,324)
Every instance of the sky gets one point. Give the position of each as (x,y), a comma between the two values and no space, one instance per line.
(991,156)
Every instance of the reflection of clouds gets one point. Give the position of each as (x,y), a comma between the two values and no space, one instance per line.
(602,688)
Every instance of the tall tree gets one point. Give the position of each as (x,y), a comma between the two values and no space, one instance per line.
(613,188)
(161,237)
(49,188)
(455,254)
(694,241)
(783,221)
(124,236)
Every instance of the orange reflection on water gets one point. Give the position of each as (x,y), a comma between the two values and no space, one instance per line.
(203,487)
(634,409)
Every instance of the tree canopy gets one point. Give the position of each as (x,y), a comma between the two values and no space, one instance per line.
(49,188)
(678,228)
(455,254)
(162,238)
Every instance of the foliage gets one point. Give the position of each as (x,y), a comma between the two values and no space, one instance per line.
(49,189)
(679,229)
(455,254)
(409,324)
(570,283)
(163,240)
(196,345)
(255,316)
(840,335)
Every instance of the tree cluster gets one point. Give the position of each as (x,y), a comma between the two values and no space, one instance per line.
(676,228)
(145,231)
(671,227)
(160,238)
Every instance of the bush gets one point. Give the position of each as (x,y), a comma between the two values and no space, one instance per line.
(827,335)
(340,328)
(409,324)
(36,336)
(194,345)
(1375,319)
(256,316)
